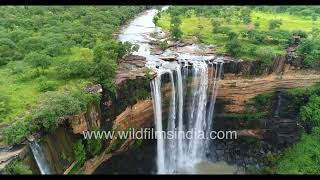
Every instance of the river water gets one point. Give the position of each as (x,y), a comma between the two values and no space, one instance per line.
(180,156)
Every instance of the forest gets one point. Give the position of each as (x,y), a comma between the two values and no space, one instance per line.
(251,32)
(47,56)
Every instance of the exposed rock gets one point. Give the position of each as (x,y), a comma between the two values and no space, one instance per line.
(256,133)
(131,67)
(139,115)
(237,91)
(78,123)
(168,58)
(7,156)
(93,88)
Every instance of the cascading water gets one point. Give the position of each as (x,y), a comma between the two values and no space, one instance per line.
(277,110)
(40,158)
(189,110)
(179,152)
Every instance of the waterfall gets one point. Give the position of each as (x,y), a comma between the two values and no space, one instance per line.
(214,91)
(276,113)
(40,158)
(179,152)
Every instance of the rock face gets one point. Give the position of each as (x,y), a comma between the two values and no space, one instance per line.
(236,92)
(139,115)
(131,67)
(78,123)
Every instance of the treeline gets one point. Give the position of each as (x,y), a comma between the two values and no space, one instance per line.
(253,41)
(57,45)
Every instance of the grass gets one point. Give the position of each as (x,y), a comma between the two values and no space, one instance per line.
(23,88)
(203,26)
(289,22)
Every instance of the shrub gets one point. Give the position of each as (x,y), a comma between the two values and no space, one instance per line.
(19,130)
(94,146)
(163,45)
(46,85)
(265,56)
(75,69)
(7,49)
(38,61)
(17,168)
(53,107)
(310,113)
(262,101)
(4,103)
(303,157)
(274,24)
(310,50)
(233,47)
(79,152)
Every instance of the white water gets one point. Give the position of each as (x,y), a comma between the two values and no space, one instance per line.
(40,158)
(178,153)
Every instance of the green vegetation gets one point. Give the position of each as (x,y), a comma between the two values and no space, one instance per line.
(47,52)
(310,113)
(49,113)
(262,102)
(79,152)
(17,168)
(94,145)
(249,116)
(62,45)
(303,157)
(264,31)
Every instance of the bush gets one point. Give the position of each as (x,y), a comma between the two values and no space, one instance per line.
(17,168)
(7,50)
(19,130)
(303,157)
(79,152)
(310,113)
(4,103)
(262,101)
(274,24)
(75,69)
(163,45)
(265,56)
(53,107)
(222,29)
(233,47)
(94,146)
(309,49)
(46,85)
(38,61)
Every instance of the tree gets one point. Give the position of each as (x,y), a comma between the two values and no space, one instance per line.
(215,26)
(79,152)
(310,113)
(94,145)
(32,44)
(17,168)
(129,48)
(7,51)
(265,56)
(175,27)
(39,61)
(274,24)
(233,47)
(309,49)
(105,56)
(4,100)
